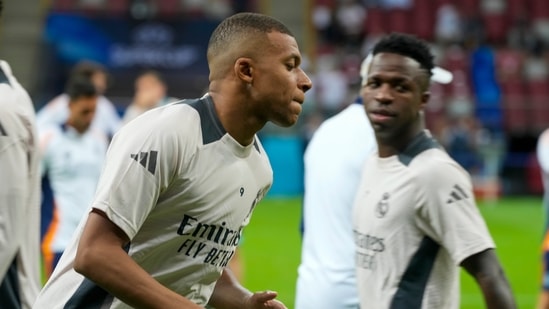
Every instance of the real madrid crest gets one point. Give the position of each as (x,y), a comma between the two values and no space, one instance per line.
(383,206)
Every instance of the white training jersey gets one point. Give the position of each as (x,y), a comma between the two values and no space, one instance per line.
(182,189)
(19,195)
(72,163)
(56,112)
(415,220)
(333,164)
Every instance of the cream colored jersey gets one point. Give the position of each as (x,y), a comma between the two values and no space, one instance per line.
(415,220)
(19,195)
(182,189)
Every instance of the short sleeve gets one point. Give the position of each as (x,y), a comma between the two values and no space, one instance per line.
(449,213)
(140,163)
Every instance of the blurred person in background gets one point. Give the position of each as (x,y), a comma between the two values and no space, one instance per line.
(19,195)
(72,156)
(543,159)
(150,92)
(415,219)
(107,119)
(181,181)
(333,164)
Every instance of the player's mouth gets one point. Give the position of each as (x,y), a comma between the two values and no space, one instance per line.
(381,115)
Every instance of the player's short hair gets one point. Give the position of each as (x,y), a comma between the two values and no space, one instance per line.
(80,87)
(87,68)
(152,73)
(239,26)
(408,46)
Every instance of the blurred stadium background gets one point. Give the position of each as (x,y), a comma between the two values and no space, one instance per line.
(489,118)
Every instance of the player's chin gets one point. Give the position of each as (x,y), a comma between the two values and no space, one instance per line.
(287,121)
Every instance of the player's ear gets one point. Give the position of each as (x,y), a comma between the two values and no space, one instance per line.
(425,96)
(243,68)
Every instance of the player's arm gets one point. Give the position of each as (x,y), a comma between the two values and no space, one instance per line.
(487,271)
(229,294)
(12,197)
(102,259)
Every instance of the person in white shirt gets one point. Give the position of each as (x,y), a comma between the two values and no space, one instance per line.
(542,152)
(72,156)
(19,195)
(415,220)
(107,119)
(333,164)
(180,182)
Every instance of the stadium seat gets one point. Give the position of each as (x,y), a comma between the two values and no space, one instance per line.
(516,107)
(538,98)
(495,25)
(516,9)
(399,21)
(423,19)
(375,22)
(63,5)
(118,6)
(168,8)
(539,9)
(468,7)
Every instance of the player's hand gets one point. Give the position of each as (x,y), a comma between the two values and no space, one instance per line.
(264,300)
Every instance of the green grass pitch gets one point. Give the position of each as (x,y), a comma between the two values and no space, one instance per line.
(271,248)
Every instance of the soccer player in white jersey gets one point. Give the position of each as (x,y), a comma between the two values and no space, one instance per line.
(542,151)
(19,195)
(415,219)
(72,156)
(333,165)
(106,119)
(181,181)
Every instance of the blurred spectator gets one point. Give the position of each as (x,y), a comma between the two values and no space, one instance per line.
(350,16)
(460,141)
(520,35)
(486,88)
(535,66)
(56,111)
(150,92)
(448,27)
(331,85)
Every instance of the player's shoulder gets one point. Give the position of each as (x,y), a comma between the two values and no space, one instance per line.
(169,122)
(426,156)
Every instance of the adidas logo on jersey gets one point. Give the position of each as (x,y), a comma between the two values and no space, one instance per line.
(146,159)
(457,194)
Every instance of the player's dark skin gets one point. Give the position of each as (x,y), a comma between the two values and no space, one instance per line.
(394,96)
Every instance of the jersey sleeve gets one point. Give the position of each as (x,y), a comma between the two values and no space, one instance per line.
(543,151)
(449,213)
(140,163)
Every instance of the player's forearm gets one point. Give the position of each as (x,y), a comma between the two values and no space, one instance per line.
(228,293)
(487,271)
(497,292)
(116,272)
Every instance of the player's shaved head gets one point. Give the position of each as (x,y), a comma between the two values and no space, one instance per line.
(241,35)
